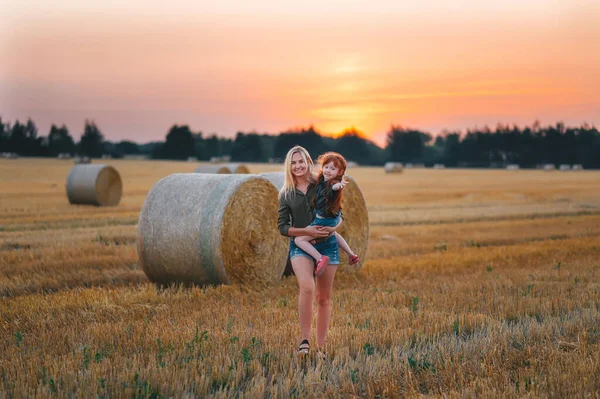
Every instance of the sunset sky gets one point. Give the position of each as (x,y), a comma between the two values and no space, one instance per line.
(136,68)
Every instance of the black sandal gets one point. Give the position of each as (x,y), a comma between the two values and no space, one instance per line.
(304,347)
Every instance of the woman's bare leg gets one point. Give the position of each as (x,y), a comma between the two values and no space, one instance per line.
(343,244)
(324,288)
(303,242)
(304,268)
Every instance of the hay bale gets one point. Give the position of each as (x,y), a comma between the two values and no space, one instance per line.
(209,229)
(238,168)
(94,185)
(82,160)
(355,228)
(549,167)
(225,168)
(512,166)
(577,167)
(393,167)
(439,166)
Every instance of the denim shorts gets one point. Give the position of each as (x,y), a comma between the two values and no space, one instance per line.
(328,246)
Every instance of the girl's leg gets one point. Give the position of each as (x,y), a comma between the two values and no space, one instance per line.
(343,244)
(324,288)
(303,268)
(303,242)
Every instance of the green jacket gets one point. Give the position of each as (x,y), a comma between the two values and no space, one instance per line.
(296,210)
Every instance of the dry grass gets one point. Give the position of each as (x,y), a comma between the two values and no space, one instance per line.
(477,283)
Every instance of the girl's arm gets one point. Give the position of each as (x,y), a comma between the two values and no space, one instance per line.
(340,185)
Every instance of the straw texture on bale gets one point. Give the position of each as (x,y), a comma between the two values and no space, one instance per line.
(94,184)
(225,168)
(208,229)
(355,227)
(393,167)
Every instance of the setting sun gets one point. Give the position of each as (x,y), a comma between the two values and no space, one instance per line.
(229,67)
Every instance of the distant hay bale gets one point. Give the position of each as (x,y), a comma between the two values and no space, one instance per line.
(225,168)
(439,166)
(393,167)
(549,167)
(512,167)
(352,164)
(210,229)
(577,167)
(82,160)
(239,168)
(355,228)
(94,185)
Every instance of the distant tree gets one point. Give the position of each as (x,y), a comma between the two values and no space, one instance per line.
(212,147)
(198,145)
(588,145)
(180,144)
(406,145)
(452,149)
(267,144)
(17,142)
(59,141)
(23,139)
(312,141)
(247,148)
(354,147)
(4,135)
(126,147)
(91,140)
(226,145)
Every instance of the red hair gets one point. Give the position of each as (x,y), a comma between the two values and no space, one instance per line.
(340,163)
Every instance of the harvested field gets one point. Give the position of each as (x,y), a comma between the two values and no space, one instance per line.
(476,283)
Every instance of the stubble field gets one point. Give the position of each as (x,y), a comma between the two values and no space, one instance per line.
(477,283)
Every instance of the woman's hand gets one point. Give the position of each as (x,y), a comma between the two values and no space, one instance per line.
(316,232)
(332,229)
(328,229)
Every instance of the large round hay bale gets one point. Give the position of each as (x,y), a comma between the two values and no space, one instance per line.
(224,168)
(94,184)
(355,228)
(210,229)
(393,167)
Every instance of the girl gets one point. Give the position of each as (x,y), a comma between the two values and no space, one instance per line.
(328,205)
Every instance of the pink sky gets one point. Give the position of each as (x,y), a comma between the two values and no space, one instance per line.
(139,68)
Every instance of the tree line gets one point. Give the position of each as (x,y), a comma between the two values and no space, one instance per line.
(485,147)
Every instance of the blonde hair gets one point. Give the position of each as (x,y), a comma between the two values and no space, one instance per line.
(289,182)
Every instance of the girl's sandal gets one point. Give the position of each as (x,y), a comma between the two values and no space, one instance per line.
(304,347)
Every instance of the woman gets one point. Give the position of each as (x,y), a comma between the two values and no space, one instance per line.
(295,214)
